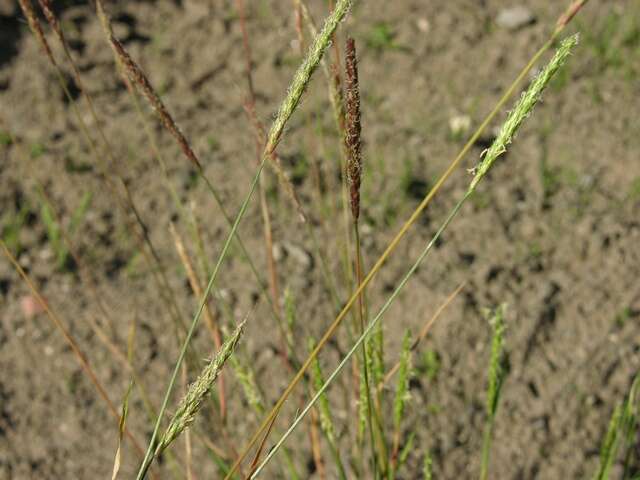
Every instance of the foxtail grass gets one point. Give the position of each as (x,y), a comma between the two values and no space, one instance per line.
(560,26)
(514,120)
(353,147)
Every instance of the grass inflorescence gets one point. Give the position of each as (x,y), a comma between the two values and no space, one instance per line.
(192,401)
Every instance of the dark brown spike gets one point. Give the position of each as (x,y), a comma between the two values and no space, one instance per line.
(353,127)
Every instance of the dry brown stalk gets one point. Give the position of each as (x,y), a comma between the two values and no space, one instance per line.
(256,458)
(260,134)
(46,7)
(259,128)
(299,33)
(260,140)
(264,206)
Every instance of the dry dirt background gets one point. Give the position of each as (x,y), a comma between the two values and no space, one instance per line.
(553,232)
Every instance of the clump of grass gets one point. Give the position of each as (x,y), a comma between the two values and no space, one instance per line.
(189,406)
(514,120)
(560,26)
(382,37)
(495,381)
(11,224)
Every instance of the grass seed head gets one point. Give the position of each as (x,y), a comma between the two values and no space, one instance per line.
(353,127)
(523,109)
(304,72)
(496,370)
(192,401)
(138,77)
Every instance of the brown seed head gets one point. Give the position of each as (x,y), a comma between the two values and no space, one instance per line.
(34,25)
(138,77)
(353,128)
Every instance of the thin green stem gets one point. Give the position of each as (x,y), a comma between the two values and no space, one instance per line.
(486,449)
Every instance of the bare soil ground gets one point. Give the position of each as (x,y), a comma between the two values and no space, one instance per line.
(553,232)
